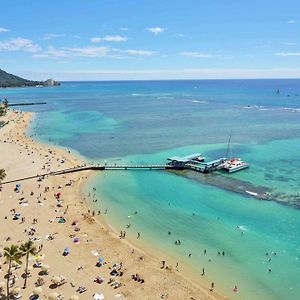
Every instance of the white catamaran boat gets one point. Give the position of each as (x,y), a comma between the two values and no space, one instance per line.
(235,164)
(232,165)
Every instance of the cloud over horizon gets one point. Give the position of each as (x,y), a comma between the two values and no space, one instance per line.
(19,44)
(91,51)
(109,38)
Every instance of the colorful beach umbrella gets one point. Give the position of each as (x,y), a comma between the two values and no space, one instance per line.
(56,280)
(37,291)
(45,268)
(53,296)
(16,290)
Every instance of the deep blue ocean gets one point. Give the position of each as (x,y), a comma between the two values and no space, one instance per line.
(148,121)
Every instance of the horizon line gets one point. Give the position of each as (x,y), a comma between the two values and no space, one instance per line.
(183,79)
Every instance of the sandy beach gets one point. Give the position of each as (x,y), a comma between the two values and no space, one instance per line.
(64,222)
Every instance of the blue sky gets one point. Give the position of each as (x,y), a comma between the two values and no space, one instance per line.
(141,39)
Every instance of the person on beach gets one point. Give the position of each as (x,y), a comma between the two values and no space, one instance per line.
(203,272)
(212,286)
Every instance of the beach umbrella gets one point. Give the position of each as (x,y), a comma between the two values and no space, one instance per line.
(16,290)
(56,280)
(39,258)
(53,296)
(74,297)
(45,268)
(67,249)
(98,296)
(101,259)
(37,291)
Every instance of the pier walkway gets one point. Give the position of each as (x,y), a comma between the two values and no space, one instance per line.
(26,103)
(94,167)
(197,166)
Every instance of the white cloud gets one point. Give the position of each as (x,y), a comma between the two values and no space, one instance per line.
(156,30)
(40,55)
(181,35)
(288,54)
(3,29)
(197,54)
(53,52)
(138,52)
(290,44)
(19,44)
(89,51)
(292,21)
(109,38)
(124,28)
(50,36)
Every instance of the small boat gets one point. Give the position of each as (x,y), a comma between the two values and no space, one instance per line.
(234,165)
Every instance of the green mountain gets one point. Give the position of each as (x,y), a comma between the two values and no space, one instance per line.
(10,80)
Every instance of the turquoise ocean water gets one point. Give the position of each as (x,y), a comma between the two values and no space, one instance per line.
(147,121)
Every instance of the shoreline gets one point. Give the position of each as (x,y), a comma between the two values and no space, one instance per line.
(157,282)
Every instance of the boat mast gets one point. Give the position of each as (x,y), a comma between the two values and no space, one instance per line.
(228,145)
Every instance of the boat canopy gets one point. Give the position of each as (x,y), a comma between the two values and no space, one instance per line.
(185,159)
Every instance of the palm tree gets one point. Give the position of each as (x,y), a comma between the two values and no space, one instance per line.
(27,249)
(11,254)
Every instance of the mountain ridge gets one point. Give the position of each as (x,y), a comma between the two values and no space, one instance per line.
(10,80)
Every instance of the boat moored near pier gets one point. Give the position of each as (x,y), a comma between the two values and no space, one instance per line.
(234,165)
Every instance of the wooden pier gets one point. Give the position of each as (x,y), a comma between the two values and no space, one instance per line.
(26,103)
(96,168)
